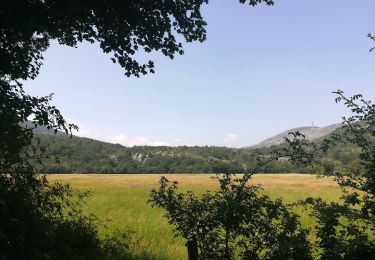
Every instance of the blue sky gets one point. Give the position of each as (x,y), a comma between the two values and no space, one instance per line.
(261,71)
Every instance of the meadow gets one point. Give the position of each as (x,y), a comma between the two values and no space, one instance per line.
(121,200)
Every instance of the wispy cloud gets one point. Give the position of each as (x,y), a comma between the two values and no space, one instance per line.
(143,140)
(126,140)
(85,131)
(231,138)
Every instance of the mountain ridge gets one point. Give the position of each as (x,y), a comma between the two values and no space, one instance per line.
(310,132)
(85,155)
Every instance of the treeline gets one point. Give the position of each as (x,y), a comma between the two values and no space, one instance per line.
(84,155)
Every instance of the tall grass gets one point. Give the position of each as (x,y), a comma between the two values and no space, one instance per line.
(122,200)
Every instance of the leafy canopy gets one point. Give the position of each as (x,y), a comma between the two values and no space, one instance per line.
(122,28)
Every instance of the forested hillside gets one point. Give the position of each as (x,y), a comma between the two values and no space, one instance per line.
(84,155)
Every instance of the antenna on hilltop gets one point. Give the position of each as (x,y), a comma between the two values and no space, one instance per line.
(312,123)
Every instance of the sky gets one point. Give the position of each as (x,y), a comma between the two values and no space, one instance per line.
(261,71)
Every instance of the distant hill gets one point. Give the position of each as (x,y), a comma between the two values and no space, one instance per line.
(311,133)
(40,129)
(85,155)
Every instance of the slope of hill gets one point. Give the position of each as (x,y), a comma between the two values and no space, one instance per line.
(84,155)
(40,129)
(311,133)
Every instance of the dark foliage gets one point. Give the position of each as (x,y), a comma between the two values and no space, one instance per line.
(372,37)
(345,229)
(122,28)
(40,220)
(237,221)
(45,221)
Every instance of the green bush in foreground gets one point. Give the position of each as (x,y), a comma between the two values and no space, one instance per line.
(238,222)
(346,229)
(234,222)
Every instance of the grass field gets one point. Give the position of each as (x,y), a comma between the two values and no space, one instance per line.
(123,200)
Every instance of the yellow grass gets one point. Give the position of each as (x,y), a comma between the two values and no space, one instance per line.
(123,200)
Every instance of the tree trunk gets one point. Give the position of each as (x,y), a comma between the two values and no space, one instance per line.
(192,249)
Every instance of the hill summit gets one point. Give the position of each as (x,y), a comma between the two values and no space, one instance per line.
(310,133)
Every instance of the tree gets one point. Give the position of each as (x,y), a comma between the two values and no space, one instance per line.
(122,28)
(372,37)
(345,229)
(237,221)
(41,220)
(230,222)
(233,222)
(33,212)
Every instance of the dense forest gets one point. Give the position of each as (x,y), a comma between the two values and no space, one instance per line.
(84,155)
